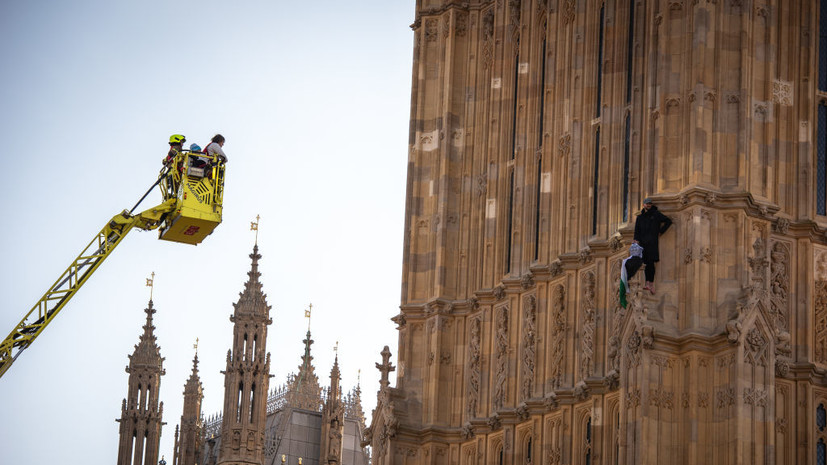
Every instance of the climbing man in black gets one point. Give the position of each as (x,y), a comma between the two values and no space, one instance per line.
(650,224)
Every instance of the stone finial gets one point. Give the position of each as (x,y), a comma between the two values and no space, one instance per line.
(385,367)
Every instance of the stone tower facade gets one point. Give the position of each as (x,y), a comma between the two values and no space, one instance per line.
(188,441)
(537,128)
(247,376)
(333,421)
(141,412)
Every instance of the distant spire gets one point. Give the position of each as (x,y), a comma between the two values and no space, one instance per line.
(147,350)
(304,386)
(252,300)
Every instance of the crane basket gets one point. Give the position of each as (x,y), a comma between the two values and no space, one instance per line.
(196,181)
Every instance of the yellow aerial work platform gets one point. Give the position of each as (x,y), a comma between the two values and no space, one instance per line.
(197,183)
(192,184)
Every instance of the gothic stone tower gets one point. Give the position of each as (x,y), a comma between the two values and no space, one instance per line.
(247,376)
(537,127)
(188,444)
(141,413)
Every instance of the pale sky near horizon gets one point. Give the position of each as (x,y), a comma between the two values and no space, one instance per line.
(314,100)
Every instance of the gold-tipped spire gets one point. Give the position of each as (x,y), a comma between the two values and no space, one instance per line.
(307,315)
(254,226)
(195,346)
(150,283)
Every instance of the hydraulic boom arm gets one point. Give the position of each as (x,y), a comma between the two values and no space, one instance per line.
(67,285)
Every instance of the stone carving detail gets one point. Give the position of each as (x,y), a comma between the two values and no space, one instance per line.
(725,397)
(632,398)
(782,225)
(467,431)
(821,322)
(820,270)
(662,398)
(431,33)
(758,262)
(633,350)
(615,243)
(501,357)
(780,285)
(462,25)
(782,92)
(755,348)
(550,401)
(761,111)
(522,411)
(565,145)
(555,268)
(529,345)
(647,337)
(585,256)
(558,335)
(568,12)
(706,255)
(514,7)
(703,399)
(482,184)
(617,320)
(488,38)
(494,422)
(756,397)
(581,391)
(588,326)
(612,380)
(527,281)
(499,292)
(474,364)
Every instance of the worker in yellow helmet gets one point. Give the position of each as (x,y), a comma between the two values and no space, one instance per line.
(176,145)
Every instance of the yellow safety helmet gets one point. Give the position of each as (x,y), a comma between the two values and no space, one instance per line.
(177,139)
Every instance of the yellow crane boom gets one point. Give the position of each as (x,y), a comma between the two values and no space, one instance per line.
(191,210)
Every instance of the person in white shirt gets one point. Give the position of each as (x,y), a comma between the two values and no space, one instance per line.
(214,148)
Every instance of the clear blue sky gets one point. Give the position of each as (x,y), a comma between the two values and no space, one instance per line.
(314,100)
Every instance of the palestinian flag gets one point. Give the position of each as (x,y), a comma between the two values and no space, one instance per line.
(624,283)
(628,269)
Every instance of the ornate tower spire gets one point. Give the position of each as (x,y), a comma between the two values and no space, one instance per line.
(247,376)
(141,412)
(189,444)
(353,408)
(304,389)
(333,420)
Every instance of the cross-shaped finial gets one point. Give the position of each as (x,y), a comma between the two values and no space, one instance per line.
(385,367)
(195,346)
(254,227)
(150,282)
(307,315)
(336,348)
(359,377)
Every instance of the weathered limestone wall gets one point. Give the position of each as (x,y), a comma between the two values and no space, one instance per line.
(537,127)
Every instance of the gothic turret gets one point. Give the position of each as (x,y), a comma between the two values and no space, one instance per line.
(305,391)
(247,376)
(141,412)
(333,421)
(188,444)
